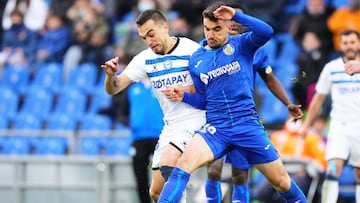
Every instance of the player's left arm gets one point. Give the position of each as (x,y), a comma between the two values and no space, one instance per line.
(185,94)
(279,91)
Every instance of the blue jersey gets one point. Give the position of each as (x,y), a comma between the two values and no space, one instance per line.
(226,76)
(261,60)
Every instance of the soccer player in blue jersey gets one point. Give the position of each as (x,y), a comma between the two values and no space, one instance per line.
(240,167)
(222,70)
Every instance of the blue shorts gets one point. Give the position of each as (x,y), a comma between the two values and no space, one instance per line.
(249,139)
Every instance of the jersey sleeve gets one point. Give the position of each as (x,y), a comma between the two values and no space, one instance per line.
(261,60)
(196,100)
(260,32)
(323,84)
(135,70)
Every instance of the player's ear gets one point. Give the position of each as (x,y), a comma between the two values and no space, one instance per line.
(166,27)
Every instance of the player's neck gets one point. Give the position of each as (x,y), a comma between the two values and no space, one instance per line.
(357,58)
(173,41)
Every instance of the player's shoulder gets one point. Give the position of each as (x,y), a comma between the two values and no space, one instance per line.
(188,44)
(185,40)
(335,64)
(146,53)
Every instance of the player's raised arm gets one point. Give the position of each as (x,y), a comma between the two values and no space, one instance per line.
(113,83)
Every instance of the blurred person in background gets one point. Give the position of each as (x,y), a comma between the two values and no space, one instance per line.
(180,27)
(314,20)
(310,62)
(79,9)
(342,19)
(18,43)
(2,8)
(53,41)
(126,35)
(291,146)
(34,11)
(343,139)
(89,36)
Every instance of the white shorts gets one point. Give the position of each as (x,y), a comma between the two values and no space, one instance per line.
(343,142)
(177,133)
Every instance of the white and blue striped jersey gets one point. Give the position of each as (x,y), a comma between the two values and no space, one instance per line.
(344,90)
(167,70)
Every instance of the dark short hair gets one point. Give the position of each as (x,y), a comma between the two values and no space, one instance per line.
(17,12)
(349,32)
(209,11)
(151,14)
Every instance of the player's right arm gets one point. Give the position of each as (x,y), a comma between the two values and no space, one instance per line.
(114,83)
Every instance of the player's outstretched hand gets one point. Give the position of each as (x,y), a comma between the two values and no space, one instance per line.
(111,66)
(224,13)
(173,93)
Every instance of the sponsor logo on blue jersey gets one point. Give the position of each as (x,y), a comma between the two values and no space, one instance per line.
(229,69)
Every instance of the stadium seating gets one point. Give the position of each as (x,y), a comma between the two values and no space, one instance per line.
(17,78)
(83,77)
(99,99)
(22,143)
(9,102)
(118,146)
(38,101)
(92,140)
(71,101)
(295,7)
(56,140)
(48,76)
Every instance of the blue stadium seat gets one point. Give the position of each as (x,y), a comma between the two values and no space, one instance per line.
(4,122)
(83,77)
(38,101)
(48,76)
(51,145)
(289,50)
(95,122)
(338,3)
(27,121)
(9,102)
(92,144)
(56,140)
(99,100)
(3,129)
(272,110)
(118,146)
(16,145)
(17,78)
(22,144)
(71,101)
(295,7)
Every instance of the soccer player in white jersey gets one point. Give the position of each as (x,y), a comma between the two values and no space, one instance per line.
(343,137)
(165,62)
